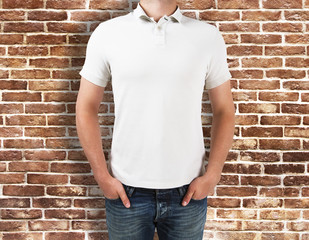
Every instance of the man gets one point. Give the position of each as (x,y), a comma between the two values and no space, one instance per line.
(158,61)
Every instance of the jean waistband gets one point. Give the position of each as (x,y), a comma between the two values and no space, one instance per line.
(154,189)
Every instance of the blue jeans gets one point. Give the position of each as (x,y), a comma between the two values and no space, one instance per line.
(155,208)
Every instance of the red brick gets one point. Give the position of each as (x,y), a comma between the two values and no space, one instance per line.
(23,27)
(66,191)
(66,27)
(297,62)
(244,50)
(236,191)
(11,132)
(261,38)
(11,39)
(214,15)
(81,39)
(295,108)
(296,15)
(223,202)
(113,5)
(11,178)
(52,202)
(66,4)
(282,144)
(225,225)
(65,74)
(40,225)
(282,27)
(13,62)
(89,203)
(298,226)
(9,155)
(4,74)
(25,120)
(295,180)
(48,15)
(70,167)
(280,236)
(284,168)
(45,132)
(90,16)
(21,214)
(242,168)
(239,27)
(29,4)
(50,62)
(61,120)
(286,73)
(25,166)
(263,225)
(65,214)
(23,143)
(83,180)
(282,4)
(28,51)
(236,235)
(262,132)
(14,15)
(259,84)
(31,74)
(280,120)
(295,156)
(68,51)
(296,85)
(260,180)
(48,85)
(22,236)
(279,192)
(23,190)
(278,96)
(11,226)
(46,39)
(64,235)
(297,38)
(261,15)
(47,179)
(262,203)
(14,202)
(238,4)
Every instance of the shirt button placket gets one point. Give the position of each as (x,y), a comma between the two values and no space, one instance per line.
(159,32)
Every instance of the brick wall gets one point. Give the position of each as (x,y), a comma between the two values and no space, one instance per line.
(47,189)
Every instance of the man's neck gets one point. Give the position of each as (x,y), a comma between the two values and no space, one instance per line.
(158,8)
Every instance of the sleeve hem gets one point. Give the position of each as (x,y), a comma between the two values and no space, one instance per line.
(91,78)
(221,80)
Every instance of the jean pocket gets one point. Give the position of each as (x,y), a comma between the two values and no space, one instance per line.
(129,189)
(182,190)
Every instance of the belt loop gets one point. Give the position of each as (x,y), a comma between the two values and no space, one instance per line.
(130,190)
(180,190)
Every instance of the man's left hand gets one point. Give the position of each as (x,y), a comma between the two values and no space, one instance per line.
(201,187)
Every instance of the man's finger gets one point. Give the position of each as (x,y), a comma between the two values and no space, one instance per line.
(187,198)
(124,198)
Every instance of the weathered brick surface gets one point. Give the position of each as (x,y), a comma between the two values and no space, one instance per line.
(47,189)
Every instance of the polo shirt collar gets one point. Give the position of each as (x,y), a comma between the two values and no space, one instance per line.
(139,12)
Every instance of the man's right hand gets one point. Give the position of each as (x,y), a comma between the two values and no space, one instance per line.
(112,188)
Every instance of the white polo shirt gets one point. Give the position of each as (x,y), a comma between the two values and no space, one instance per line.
(158,71)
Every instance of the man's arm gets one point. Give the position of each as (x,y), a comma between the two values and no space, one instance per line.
(222,132)
(88,130)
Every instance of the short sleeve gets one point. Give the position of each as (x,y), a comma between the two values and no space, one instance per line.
(218,71)
(96,67)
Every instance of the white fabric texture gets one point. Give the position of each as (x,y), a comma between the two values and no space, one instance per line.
(158,71)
